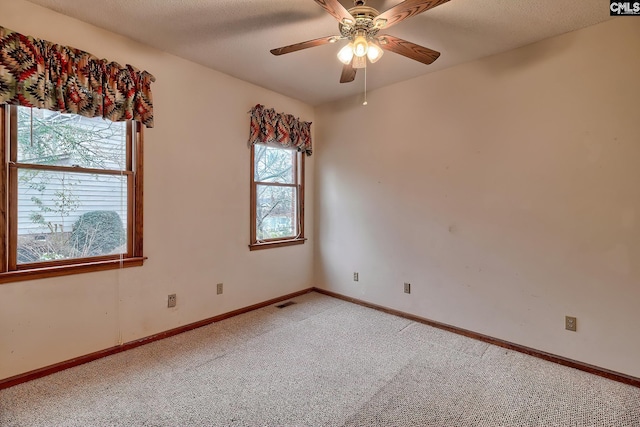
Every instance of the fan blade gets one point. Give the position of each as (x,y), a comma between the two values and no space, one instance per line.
(408,49)
(407,9)
(336,10)
(348,73)
(304,45)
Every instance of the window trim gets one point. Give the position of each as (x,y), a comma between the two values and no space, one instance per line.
(299,185)
(10,270)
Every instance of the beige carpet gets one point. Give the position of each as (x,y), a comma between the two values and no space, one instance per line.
(320,362)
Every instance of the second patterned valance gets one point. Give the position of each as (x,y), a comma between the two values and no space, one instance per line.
(277,129)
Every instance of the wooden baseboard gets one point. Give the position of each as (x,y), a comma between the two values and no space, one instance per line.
(606,373)
(48,370)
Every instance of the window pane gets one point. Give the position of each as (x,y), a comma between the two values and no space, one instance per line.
(276,212)
(70,215)
(51,138)
(274,164)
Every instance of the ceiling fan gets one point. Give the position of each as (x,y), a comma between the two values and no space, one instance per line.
(361,26)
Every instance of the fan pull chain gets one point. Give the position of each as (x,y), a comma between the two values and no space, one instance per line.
(365,83)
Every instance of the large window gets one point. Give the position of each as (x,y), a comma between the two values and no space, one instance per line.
(277,197)
(71,193)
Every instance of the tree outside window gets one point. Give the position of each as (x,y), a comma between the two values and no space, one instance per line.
(277,196)
(64,214)
(71,194)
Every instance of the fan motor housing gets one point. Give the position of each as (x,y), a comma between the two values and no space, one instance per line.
(364,16)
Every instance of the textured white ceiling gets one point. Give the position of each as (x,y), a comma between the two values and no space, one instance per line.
(235,36)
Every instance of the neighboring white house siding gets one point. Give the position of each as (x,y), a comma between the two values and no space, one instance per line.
(103,148)
(108,193)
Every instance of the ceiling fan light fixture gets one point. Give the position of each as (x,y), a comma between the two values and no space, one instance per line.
(360,46)
(360,26)
(359,62)
(374,53)
(345,55)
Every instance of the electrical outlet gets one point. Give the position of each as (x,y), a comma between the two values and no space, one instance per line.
(171,302)
(407,288)
(570,323)
(219,288)
(356,277)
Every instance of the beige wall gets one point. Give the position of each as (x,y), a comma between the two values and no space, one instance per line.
(506,190)
(196,214)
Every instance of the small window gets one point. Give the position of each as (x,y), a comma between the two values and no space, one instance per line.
(74,189)
(277,197)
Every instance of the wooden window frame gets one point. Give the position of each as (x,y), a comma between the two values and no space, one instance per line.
(10,270)
(256,244)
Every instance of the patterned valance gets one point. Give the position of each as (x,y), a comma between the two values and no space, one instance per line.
(38,73)
(280,130)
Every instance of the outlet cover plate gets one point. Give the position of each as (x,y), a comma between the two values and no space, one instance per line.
(570,323)
(219,288)
(171,301)
(407,288)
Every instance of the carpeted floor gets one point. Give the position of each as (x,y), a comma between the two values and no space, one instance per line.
(320,362)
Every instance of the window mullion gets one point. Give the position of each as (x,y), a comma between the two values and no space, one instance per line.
(137,150)
(3,188)
(300,186)
(130,138)
(71,169)
(12,177)
(275,184)
(253,203)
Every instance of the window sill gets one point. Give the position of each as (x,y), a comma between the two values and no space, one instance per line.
(65,270)
(276,244)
